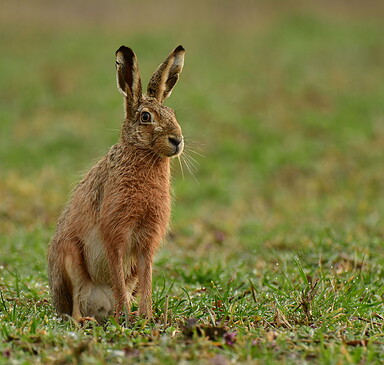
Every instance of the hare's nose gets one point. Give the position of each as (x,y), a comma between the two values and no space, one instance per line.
(175,141)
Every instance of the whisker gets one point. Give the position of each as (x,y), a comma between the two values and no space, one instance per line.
(192,159)
(196,153)
(181,166)
(145,156)
(192,143)
(187,164)
(190,166)
(153,161)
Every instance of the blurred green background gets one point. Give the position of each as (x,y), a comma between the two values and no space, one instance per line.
(281,104)
(284,100)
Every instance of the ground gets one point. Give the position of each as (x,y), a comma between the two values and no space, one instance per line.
(275,251)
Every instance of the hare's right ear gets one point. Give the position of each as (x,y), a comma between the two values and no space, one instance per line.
(165,77)
(128,79)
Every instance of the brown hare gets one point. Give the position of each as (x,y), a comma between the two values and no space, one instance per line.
(107,235)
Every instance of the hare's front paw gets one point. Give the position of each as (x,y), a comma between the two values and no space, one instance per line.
(84,320)
(145,312)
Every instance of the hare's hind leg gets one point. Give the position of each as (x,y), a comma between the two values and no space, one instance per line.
(59,284)
(68,280)
(79,278)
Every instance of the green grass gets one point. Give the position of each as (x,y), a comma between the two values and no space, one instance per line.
(277,251)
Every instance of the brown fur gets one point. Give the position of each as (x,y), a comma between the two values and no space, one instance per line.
(108,233)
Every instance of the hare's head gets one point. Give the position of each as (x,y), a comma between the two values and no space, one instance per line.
(150,125)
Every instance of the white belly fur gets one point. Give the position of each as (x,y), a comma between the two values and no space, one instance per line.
(95,258)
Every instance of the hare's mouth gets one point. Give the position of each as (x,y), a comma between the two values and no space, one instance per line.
(176,145)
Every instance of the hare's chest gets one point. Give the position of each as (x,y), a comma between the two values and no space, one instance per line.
(149,206)
(95,257)
(154,213)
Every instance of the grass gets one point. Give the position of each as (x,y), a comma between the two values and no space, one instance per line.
(275,255)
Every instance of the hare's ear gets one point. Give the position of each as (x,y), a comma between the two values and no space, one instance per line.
(128,79)
(165,77)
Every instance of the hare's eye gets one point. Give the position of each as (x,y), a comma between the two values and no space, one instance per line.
(145,117)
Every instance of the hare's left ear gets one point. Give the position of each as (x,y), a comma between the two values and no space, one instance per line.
(165,77)
(128,79)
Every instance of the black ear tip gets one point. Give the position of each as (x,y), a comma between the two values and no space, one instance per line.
(179,49)
(121,49)
(126,51)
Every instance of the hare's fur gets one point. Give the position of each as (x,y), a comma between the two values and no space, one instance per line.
(106,237)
